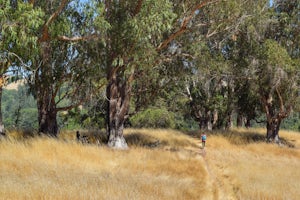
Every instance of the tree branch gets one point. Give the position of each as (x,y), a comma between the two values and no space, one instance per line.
(57,12)
(137,8)
(45,35)
(259,122)
(32,2)
(78,38)
(66,108)
(184,24)
(283,113)
(280,100)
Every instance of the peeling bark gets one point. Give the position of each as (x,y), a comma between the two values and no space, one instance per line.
(273,130)
(273,118)
(47,113)
(118,94)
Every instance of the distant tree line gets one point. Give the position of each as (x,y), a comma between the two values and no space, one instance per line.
(20,112)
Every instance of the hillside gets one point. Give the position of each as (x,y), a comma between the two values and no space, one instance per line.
(160,164)
(14,85)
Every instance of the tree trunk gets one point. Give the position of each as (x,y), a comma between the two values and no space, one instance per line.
(247,123)
(273,130)
(229,120)
(215,119)
(239,120)
(47,117)
(118,94)
(205,120)
(1,119)
(229,123)
(47,112)
(273,119)
(209,120)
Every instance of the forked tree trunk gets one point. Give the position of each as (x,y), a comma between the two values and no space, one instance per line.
(205,120)
(273,119)
(273,130)
(118,93)
(48,122)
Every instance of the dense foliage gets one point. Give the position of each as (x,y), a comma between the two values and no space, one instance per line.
(20,112)
(149,63)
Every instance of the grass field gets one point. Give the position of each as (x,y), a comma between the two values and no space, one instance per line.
(160,164)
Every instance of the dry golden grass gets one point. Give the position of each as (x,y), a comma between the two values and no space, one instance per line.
(160,164)
(45,168)
(255,170)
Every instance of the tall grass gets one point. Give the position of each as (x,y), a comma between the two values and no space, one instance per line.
(255,169)
(45,168)
(160,164)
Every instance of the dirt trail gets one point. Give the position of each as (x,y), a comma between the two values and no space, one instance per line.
(215,186)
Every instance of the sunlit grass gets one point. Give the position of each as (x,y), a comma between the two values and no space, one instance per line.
(255,169)
(45,168)
(160,164)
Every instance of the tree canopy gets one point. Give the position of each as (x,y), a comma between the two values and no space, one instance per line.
(183,62)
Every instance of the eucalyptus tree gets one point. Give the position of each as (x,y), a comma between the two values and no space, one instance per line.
(277,71)
(18,23)
(207,90)
(137,33)
(131,43)
(286,28)
(278,81)
(279,89)
(61,69)
(210,83)
(240,49)
(268,68)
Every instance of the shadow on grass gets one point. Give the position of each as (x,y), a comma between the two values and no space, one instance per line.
(88,137)
(240,137)
(193,134)
(233,136)
(18,134)
(139,139)
(97,137)
(133,139)
(142,140)
(85,137)
(174,142)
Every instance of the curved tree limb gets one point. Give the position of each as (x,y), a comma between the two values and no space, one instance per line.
(137,8)
(45,32)
(184,24)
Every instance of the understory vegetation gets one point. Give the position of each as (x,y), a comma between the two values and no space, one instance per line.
(20,112)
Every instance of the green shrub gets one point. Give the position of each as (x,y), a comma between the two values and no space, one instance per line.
(153,118)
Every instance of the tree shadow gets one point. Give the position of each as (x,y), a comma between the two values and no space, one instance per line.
(193,133)
(141,140)
(97,137)
(20,134)
(240,137)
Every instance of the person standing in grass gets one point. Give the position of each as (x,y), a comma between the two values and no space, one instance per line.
(203,138)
